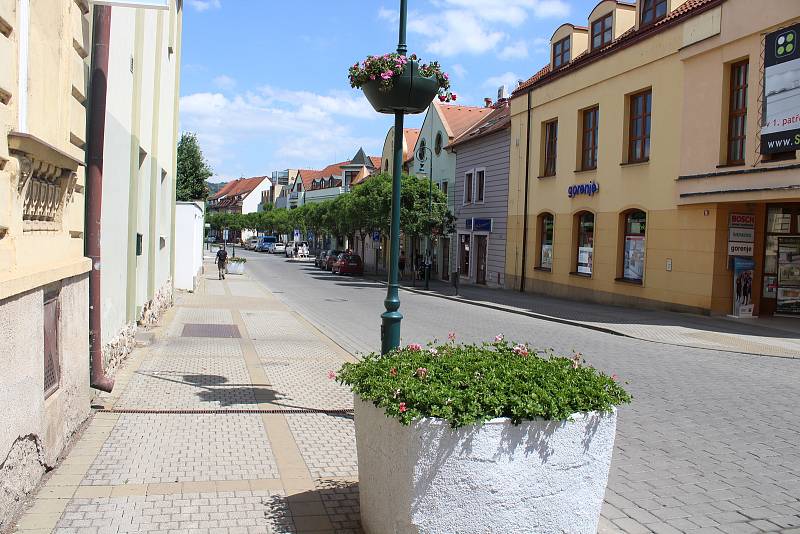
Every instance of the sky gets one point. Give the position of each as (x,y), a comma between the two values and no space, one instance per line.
(264,82)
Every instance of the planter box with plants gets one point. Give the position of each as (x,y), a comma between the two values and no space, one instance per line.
(395,82)
(481,438)
(236,265)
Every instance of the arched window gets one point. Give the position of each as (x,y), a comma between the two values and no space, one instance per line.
(585,248)
(546,226)
(438,145)
(634,246)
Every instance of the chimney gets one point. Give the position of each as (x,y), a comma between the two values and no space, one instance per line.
(487,102)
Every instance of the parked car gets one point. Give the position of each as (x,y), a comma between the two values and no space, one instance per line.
(348,264)
(289,250)
(265,243)
(279,248)
(251,243)
(330,258)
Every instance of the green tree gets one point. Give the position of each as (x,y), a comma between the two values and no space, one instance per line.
(193,170)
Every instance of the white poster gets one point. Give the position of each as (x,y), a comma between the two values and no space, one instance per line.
(634,257)
(585,260)
(547,256)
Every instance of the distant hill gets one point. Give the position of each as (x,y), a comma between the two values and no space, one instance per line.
(213,187)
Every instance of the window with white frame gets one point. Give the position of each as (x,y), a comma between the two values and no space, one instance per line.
(480,185)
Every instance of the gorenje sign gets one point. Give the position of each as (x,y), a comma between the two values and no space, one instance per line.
(149,4)
(781,129)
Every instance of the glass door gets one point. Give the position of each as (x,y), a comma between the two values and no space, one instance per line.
(789,275)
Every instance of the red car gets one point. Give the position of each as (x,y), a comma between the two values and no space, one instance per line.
(348,264)
(330,258)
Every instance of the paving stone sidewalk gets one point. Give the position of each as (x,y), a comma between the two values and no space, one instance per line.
(204,434)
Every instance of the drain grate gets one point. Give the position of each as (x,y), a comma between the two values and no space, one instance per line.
(224,411)
(211,330)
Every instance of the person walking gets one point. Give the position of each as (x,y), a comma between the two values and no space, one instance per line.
(402,263)
(222,261)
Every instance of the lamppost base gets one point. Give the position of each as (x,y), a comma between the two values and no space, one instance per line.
(390,331)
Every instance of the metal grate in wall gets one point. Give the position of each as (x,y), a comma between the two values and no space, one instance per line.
(52,357)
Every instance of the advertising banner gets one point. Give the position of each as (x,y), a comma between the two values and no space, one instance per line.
(781,129)
(634,257)
(743,272)
(585,258)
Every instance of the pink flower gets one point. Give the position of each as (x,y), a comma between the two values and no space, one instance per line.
(442,98)
(446,77)
(393,371)
(331,375)
(422,372)
(451,336)
(453,96)
(415,347)
(614,377)
(372,77)
(402,407)
(433,351)
(576,360)
(498,338)
(521,350)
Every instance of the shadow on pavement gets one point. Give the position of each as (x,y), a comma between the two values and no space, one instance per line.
(331,507)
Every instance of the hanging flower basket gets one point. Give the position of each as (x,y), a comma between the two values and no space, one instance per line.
(394,82)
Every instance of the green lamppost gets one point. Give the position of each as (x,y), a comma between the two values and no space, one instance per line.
(409,90)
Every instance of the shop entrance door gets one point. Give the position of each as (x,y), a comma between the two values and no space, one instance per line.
(480,259)
(788,297)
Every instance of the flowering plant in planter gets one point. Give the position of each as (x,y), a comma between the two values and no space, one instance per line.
(471,384)
(384,70)
(237,259)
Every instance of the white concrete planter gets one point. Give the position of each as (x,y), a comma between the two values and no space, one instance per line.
(235,267)
(538,477)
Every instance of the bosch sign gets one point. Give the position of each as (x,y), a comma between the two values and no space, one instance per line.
(742,220)
(583,189)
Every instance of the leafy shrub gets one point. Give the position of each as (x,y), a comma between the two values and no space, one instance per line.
(471,384)
(237,259)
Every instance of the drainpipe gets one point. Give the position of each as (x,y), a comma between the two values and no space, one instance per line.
(94,188)
(24,38)
(525,209)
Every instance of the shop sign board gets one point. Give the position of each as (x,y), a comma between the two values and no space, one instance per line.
(781,129)
(745,235)
(742,220)
(589,189)
(148,4)
(743,273)
(481,225)
(740,249)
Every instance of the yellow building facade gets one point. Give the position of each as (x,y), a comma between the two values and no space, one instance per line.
(601,139)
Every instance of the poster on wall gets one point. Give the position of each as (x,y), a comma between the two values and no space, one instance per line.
(789,275)
(781,129)
(743,272)
(585,260)
(547,256)
(634,257)
(770,287)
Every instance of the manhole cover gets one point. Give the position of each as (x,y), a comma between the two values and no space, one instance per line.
(210,330)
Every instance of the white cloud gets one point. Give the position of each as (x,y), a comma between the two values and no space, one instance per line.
(459,70)
(477,26)
(224,82)
(516,50)
(294,128)
(204,5)
(392,15)
(509,79)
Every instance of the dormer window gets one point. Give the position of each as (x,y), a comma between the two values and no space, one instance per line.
(561,53)
(602,31)
(653,11)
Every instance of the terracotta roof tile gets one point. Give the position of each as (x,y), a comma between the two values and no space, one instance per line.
(411,135)
(499,119)
(460,118)
(241,186)
(687,9)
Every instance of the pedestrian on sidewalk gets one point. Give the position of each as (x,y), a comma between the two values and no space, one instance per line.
(222,262)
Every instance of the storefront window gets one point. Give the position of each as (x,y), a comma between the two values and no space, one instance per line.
(585,250)
(781,278)
(464,255)
(633,255)
(546,252)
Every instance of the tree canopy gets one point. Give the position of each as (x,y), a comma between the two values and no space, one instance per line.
(193,170)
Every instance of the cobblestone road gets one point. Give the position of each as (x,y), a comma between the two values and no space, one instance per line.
(710,444)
